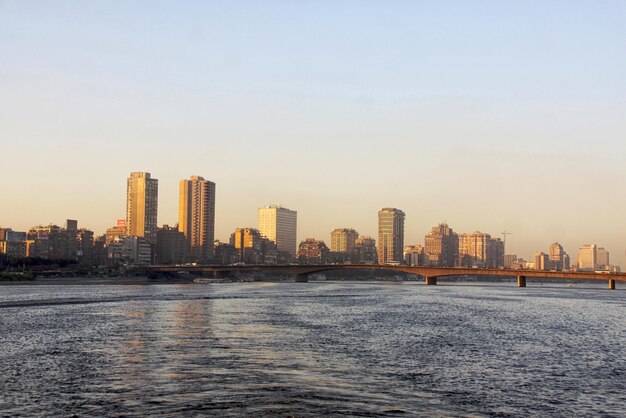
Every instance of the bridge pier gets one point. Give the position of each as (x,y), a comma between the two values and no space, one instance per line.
(612,284)
(301,278)
(431,280)
(219,274)
(521,281)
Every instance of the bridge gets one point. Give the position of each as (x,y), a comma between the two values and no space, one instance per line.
(301,272)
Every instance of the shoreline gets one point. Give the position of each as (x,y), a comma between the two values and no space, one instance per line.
(94,281)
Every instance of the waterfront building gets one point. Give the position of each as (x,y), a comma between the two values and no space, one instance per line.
(225,254)
(99,251)
(343,240)
(441,246)
(365,250)
(12,243)
(312,251)
(196,216)
(85,246)
(390,236)
(559,260)
(542,261)
(248,243)
(602,259)
(119,230)
(587,259)
(141,206)
(172,246)
(480,250)
(279,225)
(510,261)
(54,242)
(525,264)
(414,255)
(130,250)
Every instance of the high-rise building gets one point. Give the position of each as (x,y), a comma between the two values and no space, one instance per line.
(279,224)
(196,216)
(390,236)
(342,240)
(559,260)
(542,261)
(602,260)
(141,206)
(441,246)
(587,259)
(480,250)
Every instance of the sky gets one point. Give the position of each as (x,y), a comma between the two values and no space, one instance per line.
(492,116)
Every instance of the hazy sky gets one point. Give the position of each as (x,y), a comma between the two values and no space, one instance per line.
(491,115)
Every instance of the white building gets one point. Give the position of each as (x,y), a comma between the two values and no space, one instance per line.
(279,224)
(587,259)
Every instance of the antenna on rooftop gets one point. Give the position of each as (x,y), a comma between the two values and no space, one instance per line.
(504,234)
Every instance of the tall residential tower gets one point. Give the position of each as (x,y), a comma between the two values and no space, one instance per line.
(279,224)
(390,236)
(141,206)
(196,216)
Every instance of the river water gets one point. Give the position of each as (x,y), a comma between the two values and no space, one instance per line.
(312,349)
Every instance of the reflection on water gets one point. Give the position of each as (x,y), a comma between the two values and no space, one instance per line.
(312,349)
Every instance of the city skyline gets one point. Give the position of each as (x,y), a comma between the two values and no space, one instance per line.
(146,178)
(491,117)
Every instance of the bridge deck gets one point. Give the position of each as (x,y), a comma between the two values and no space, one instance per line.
(419,270)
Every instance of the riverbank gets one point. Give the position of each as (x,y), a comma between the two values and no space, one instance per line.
(80,281)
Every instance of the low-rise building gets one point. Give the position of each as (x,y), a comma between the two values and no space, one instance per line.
(312,251)
(414,255)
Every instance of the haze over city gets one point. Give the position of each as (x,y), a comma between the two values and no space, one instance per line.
(489,116)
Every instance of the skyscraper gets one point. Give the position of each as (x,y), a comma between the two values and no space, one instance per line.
(279,224)
(141,206)
(390,236)
(196,216)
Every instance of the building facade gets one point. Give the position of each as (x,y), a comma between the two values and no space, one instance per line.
(343,240)
(12,243)
(390,236)
(172,246)
(414,255)
(312,251)
(141,206)
(441,246)
(559,260)
(587,259)
(279,224)
(196,216)
(365,250)
(602,259)
(480,250)
(542,261)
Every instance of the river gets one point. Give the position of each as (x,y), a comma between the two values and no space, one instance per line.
(313,349)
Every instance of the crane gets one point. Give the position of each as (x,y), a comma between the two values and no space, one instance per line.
(504,234)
